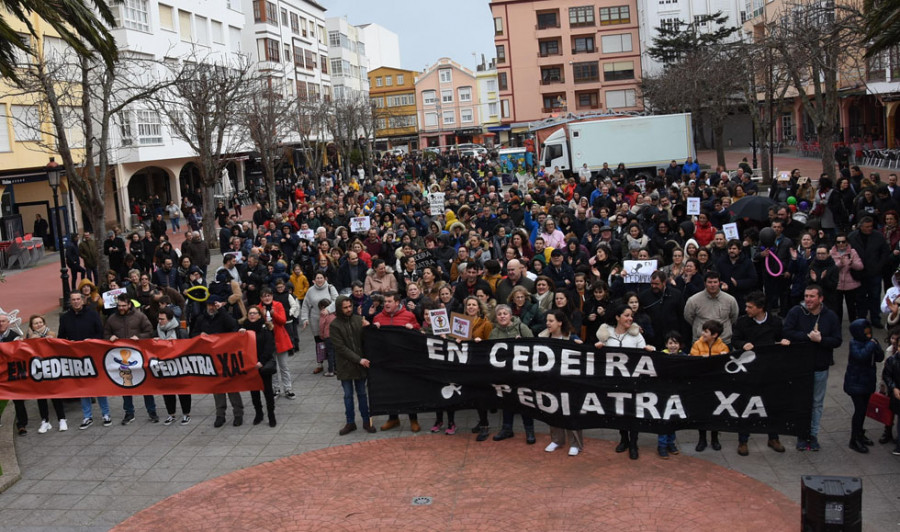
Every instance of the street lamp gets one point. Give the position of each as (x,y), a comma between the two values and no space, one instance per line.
(54,174)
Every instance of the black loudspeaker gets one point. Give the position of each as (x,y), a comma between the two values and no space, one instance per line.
(831,504)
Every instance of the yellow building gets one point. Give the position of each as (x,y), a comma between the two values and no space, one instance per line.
(393,93)
(27,138)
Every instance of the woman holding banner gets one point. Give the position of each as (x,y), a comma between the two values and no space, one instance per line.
(559,328)
(625,333)
(265,353)
(479,329)
(37,328)
(168,328)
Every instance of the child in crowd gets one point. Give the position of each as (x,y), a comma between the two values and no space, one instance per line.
(325,319)
(709,344)
(666,442)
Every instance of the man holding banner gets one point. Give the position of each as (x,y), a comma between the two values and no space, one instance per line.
(128,323)
(216,320)
(346,336)
(82,323)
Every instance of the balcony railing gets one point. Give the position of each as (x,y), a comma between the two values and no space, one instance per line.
(551,81)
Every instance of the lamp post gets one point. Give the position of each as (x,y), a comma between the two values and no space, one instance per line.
(54,174)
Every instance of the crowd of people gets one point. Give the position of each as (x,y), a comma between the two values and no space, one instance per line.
(543,257)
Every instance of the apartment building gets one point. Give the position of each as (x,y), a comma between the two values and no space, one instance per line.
(347,57)
(392,91)
(448,107)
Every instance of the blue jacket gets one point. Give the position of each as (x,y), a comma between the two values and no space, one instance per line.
(860,377)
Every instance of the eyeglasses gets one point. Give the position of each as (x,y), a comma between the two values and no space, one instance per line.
(841,241)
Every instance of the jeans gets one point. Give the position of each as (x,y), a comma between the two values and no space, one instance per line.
(282,373)
(361,396)
(820,384)
(176,224)
(665,440)
(149,403)
(86,406)
(329,349)
(869,299)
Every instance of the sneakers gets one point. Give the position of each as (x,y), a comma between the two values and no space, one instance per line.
(45,426)
(776,445)
(896,451)
(328,374)
(185,420)
(743,450)
(107,421)
(290,395)
(451,430)
(552,447)
(663,452)
(127,419)
(86,423)
(802,445)
(814,444)
(63,425)
(436,428)
(276,391)
(573,451)
(169,420)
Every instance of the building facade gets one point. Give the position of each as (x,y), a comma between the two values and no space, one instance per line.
(347,57)
(382,46)
(488,102)
(392,92)
(447,100)
(565,57)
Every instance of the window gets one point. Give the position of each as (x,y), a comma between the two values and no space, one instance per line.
(446,96)
(615,15)
(581,16)
(378,81)
(218,32)
(202,30)
(618,71)
(445,75)
(429,97)
(334,38)
(498,26)
(322,34)
(504,107)
(287,53)
(284,17)
(431,119)
(547,19)
(449,118)
(184,26)
(549,47)
(465,94)
(613,44)
(493,109)
(234,38)
(399,79)
(149,128)
(298,57)
(257,11)
(271,50)
(23,58)
(553,102)
(671,23)
(301,91)
(622,98)
(125,128)
(303,26)
(26,123)
(271,13)
(492,85)
(324,63)
(501,81)
(137,15)
(583,44)
(466,115)
(310,59)
(787,125)
(501,53)
(4,131)
(403,121)
(377,102)
(587,100)
(551,74)
(336,67)
(295,24)
(166,17)
(586,71)
(389,81)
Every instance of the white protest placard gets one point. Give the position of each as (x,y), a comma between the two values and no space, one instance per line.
(360,224)
(436,202)
(693,206)
(109,298)
(440,323)
(307,234)
(642,184)
(638,271)
(731,231)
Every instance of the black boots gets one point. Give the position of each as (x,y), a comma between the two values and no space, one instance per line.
(272,421)
(257,419)
(888,435)
(623,442)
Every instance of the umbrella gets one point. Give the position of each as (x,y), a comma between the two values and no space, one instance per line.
(753,207)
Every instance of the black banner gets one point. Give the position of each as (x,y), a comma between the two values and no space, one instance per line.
(575,386)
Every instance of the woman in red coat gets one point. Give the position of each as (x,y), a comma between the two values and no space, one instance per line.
(274,313)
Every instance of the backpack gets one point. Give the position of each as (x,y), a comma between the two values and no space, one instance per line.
(294,311)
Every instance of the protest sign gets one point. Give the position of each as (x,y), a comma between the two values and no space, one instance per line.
(461,326)
(638,271)
(731,231)
(307,234)
(693,206)
(359,224)
(440,323)
(436,202)
(109,298)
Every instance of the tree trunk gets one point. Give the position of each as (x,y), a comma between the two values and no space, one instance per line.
(719,134)
(270,189)
(825,135)
(209,218)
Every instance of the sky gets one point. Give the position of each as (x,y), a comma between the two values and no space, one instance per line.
(427,29)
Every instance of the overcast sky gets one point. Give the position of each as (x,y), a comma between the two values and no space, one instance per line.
(428,29)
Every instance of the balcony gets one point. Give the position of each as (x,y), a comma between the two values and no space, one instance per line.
(548,110)
(553,80)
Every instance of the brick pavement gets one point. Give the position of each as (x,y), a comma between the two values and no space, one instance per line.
(98,478)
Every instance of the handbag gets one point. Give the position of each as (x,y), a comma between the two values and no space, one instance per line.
(879,409)
(269,368)
(321,352)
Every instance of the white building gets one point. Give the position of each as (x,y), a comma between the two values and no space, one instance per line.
(382,46)
(659,13)
(488,100)
(349,65)
(149,160)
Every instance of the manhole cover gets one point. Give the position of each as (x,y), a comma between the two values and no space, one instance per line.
(421,501)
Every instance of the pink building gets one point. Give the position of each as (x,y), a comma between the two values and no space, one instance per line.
(447,100)
(566,56)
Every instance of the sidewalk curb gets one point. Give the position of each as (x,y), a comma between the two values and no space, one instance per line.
(8,459)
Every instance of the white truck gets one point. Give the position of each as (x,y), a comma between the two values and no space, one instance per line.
(642,143)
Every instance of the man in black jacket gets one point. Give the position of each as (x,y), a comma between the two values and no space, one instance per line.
(777,288)
(873,250)
(663,304)
(216,320)
(351,270)
(738,273)
(81,323)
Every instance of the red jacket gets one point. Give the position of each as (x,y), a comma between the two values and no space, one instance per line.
(398,319)
(704,234)
(282,339)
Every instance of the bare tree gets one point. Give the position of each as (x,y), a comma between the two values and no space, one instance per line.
(203,105)
(815,43)
(81,97)
(268,117)
(310,125)
(348,118)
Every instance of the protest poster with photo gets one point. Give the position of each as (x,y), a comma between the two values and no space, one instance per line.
(109,298)
(460,326)
(440,322)
(360,224)
(693,206)
(638,271)
(731,231)
(307,234)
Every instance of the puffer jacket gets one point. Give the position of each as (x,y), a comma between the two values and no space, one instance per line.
(515,329)
(860,377)
(845,262)
(891,377)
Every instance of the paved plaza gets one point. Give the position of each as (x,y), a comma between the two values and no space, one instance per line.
(99,478)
